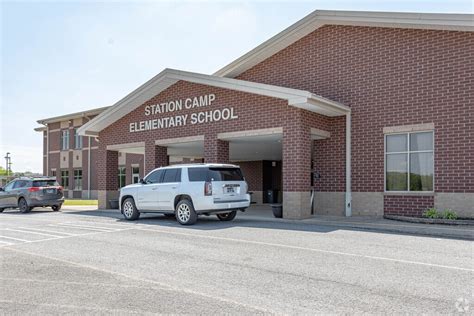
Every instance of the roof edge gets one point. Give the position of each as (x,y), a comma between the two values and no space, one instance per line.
(60,118)
(319,18)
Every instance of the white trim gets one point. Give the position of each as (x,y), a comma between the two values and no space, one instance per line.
(249,133)
(72,116)
(319,18)
(124,146)
(166,78)
(179,140)
(348,196)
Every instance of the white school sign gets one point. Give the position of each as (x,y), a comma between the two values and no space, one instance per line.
(169,121)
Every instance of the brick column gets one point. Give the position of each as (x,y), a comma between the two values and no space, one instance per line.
(215,150)
(107,177)
(155,156)
(296,171)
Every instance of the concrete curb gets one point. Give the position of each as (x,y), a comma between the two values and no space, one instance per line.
(421,220)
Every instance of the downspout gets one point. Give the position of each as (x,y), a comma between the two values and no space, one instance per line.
(348,166)
(47,150)
(89,166)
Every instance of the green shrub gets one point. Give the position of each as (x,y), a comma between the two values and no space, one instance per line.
(450,214)
(431,213)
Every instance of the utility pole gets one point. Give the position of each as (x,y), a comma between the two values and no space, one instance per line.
(8,161)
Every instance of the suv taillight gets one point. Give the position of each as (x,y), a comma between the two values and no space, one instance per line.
(33,189)
(208,188)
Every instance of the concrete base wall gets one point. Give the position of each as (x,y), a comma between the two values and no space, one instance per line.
(462,203)
(257,197)
(296,205)
(367,204)
(329,203)
(92,197)
(105,196)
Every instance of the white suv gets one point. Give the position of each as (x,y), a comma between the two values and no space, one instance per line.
(186,191)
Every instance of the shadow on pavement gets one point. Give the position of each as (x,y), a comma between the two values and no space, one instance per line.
(211,223)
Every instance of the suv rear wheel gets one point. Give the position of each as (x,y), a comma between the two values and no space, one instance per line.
(23,206)
(56,207)
(226,217)
(185,213)
(130,211)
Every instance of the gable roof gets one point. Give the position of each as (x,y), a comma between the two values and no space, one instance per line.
(319,18)
(71,116)
(166,78)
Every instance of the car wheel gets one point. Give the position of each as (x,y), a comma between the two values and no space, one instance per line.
(1,210)
(23,206)
(185,213)
(56,207)
(226,217)
(130,211)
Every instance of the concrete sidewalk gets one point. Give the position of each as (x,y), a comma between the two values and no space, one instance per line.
(264,214)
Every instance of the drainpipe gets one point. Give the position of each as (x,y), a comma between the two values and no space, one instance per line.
(348,166)
(47,150)
(89,166)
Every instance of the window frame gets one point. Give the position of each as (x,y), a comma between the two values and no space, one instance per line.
(76,178)
(77,140)
(120,175)
(65,139)
(133,174)
(65,187)
(408,152)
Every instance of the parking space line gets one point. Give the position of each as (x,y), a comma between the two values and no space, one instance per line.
(12,238)
(49,231)
(308,249)
(81,227)
(6,242)
(31,232)
(87,226)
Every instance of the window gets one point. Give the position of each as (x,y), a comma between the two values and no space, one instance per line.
(172,175)
(65,139)
(215,174)
(78,179)
(20,184)
(135,174)
(53,172)
(65,179)
(409,162)
(121,177)
(9,186)
(77,140)
(154,177)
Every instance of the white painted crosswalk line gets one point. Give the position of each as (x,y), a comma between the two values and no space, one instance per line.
(6,242)
(31,232)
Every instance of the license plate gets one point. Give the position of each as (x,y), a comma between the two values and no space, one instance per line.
(230,190)
(50,191)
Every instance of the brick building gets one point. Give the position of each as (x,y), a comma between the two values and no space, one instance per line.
(371,113)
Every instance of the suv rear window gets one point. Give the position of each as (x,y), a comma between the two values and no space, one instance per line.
(215,174)
(45,183)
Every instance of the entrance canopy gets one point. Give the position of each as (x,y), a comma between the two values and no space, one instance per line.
(297,98)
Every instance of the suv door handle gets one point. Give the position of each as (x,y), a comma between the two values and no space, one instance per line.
(173,187)
(154,188)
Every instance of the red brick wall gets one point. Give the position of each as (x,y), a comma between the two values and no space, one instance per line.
(253,173)
(254,112)
(407,205)
(388,77)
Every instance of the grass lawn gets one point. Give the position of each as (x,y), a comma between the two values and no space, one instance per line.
(80,202)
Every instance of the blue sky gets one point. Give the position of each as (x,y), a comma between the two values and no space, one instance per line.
(59,57)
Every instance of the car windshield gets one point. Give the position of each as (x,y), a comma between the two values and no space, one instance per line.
(45,183)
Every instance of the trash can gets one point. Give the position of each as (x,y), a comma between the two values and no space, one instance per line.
(272,196)
(277,210)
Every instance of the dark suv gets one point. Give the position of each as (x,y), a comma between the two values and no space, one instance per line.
(27,193)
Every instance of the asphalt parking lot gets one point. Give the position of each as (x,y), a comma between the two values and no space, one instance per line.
(93,262)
